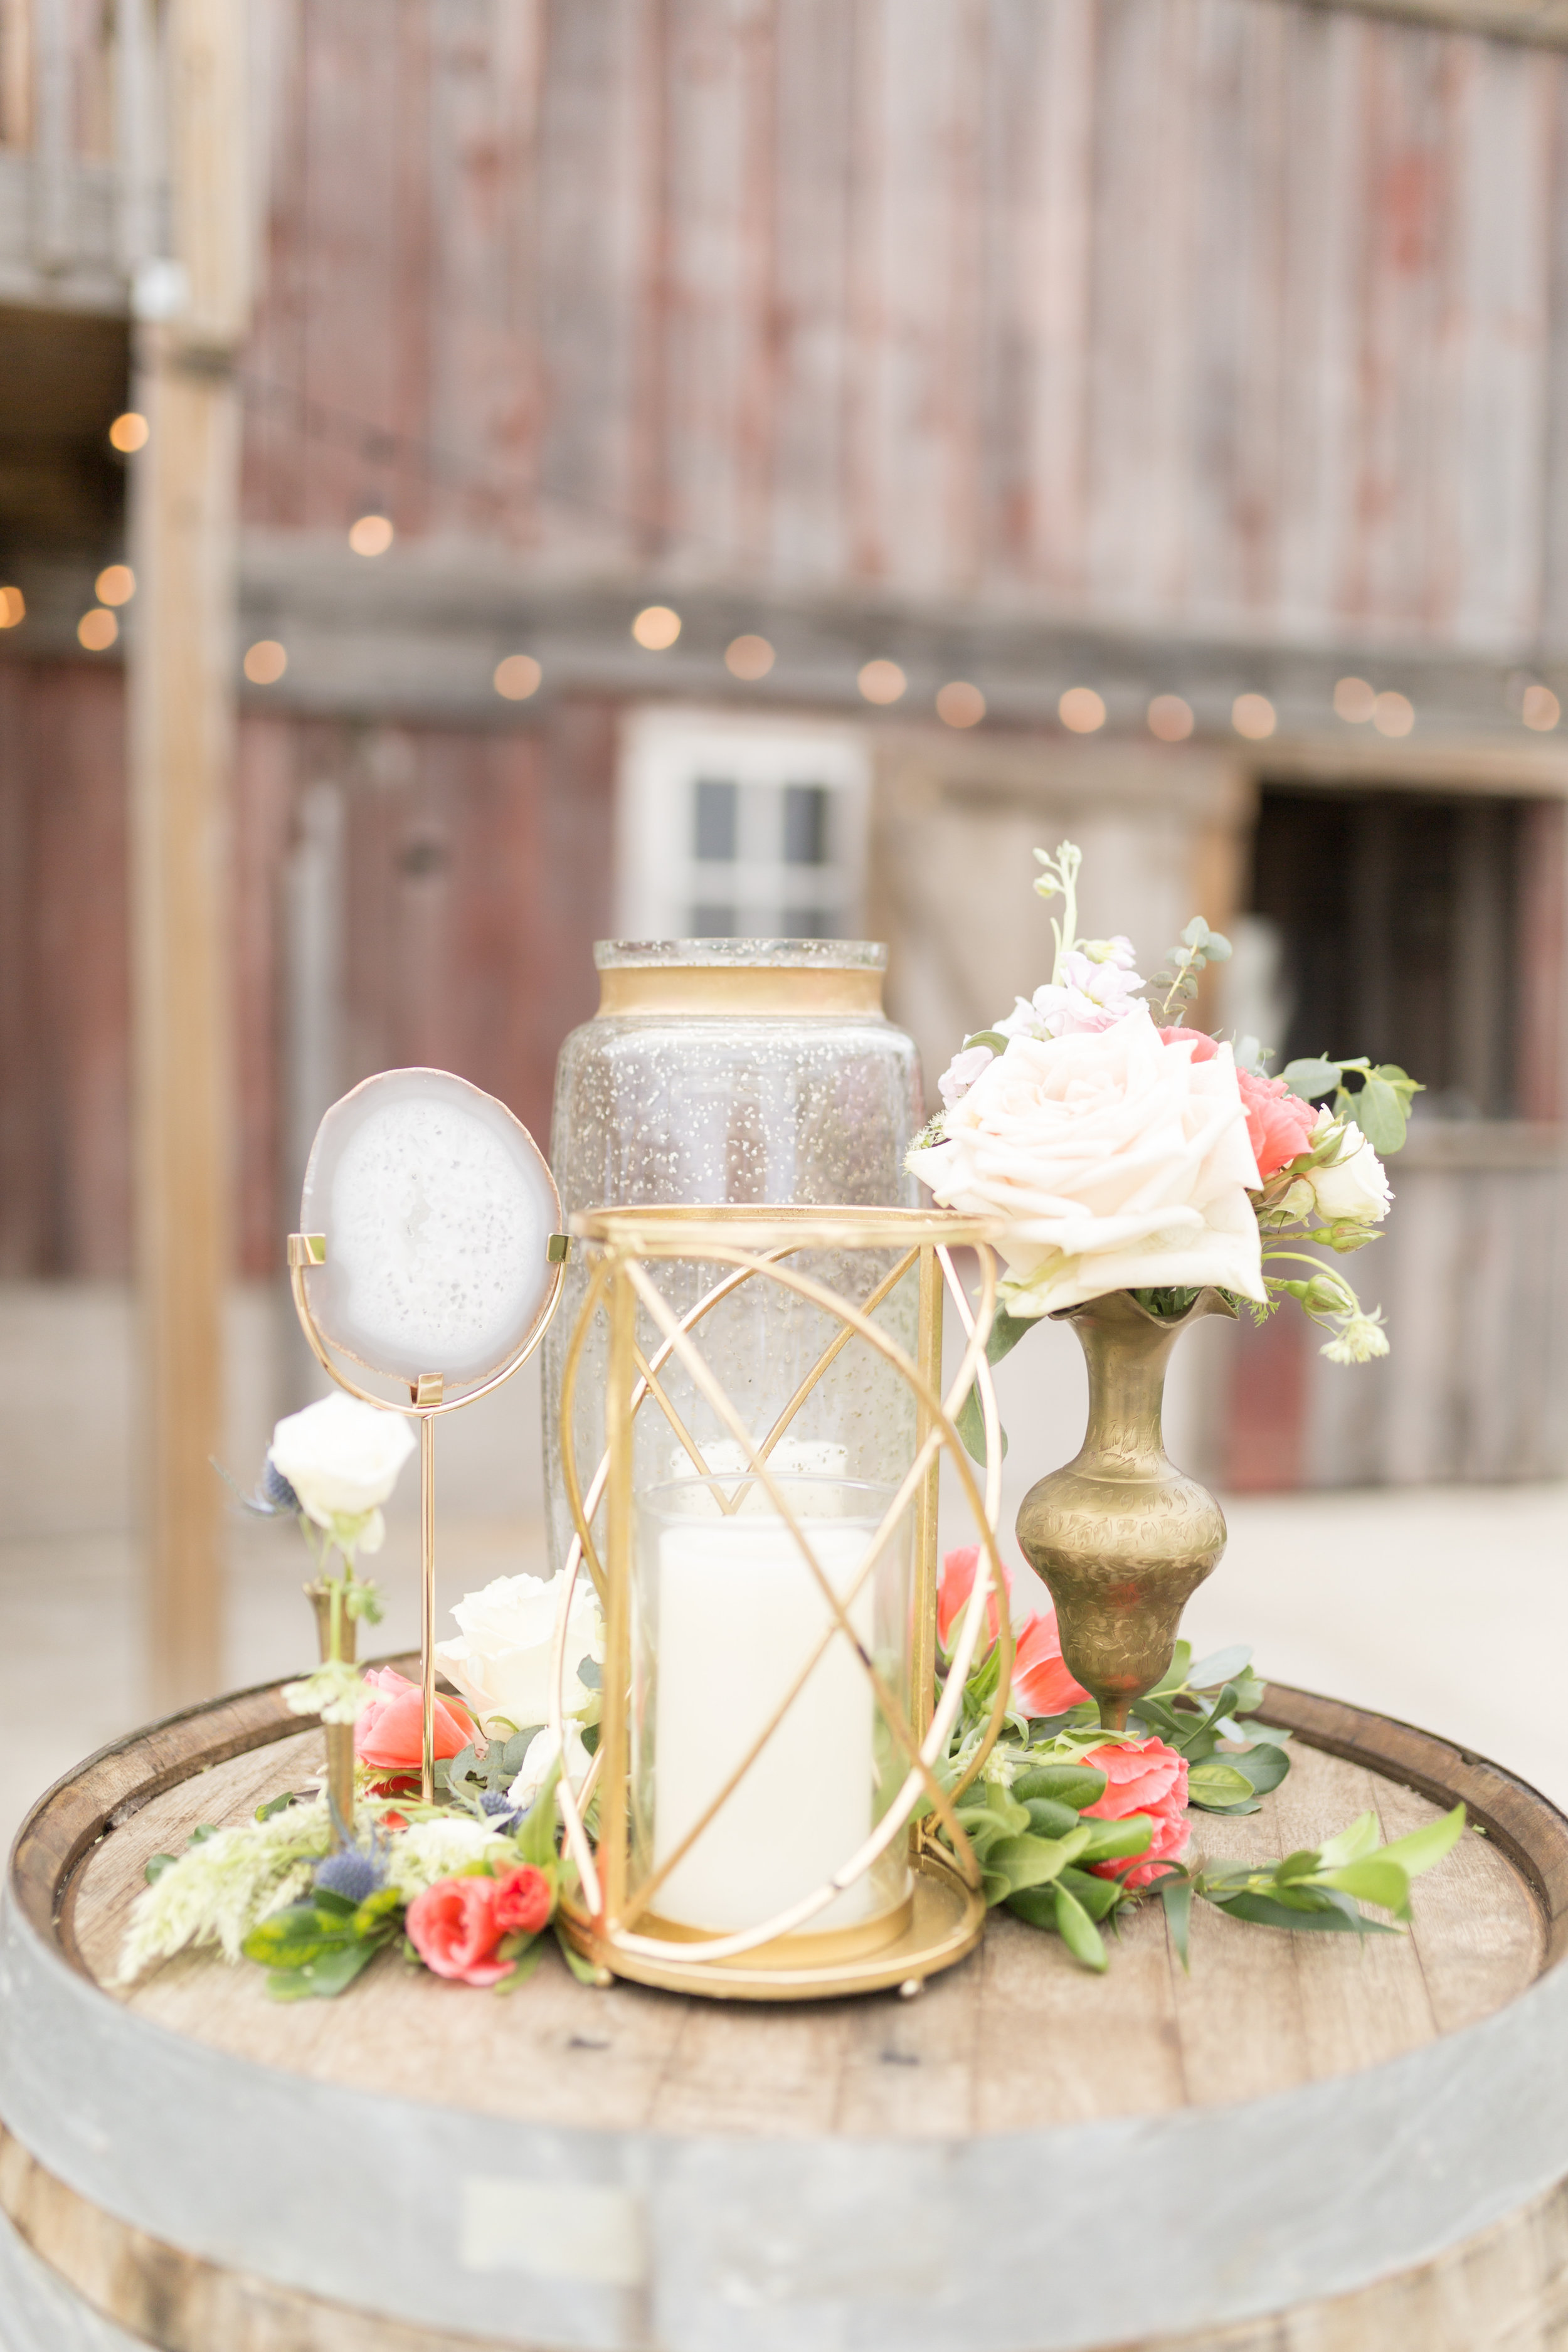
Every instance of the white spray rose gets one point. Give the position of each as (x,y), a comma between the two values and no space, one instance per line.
(536,1765)
(342,1458)
(1118,1162)
(1355,1183)
(500,1663)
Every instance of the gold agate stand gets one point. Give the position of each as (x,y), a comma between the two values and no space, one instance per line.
(427,1401)
(611,1918)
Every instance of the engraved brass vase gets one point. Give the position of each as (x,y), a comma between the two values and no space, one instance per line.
(1119,1536)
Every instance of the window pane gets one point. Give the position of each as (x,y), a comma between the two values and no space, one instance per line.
(715,822)
(711,922)
(811,923)
(805,828)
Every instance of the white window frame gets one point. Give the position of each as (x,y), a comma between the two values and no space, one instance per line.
(666,751)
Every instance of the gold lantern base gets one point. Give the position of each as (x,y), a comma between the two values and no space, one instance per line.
(941,1922)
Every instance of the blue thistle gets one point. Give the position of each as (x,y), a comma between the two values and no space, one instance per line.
(355,1876)
(495,1804)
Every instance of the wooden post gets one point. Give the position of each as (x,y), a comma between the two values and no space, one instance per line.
(182,657)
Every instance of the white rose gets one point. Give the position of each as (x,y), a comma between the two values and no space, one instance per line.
(541,1754)
(342,1458)
(1355,1183)
(1118,1162)
(502,1663)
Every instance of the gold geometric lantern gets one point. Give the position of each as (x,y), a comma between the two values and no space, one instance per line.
(759,1820)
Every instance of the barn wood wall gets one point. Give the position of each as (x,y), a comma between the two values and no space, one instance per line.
(1226,315)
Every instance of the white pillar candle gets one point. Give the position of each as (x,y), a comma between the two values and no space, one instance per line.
(738,1614)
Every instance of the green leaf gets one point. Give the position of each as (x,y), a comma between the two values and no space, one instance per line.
(1215,1785)
(1265,1766)
(1421,1848)
(1217,948)
(1078,1932)
(1049,1819)
(276,1805)
(1032,1861)
(970,1424)
(1075,1785)
(528,1960)
(992,1037)
(1099,1896)
(583,1970)
(1176,1894)
(324,1977)
(1374,1880)
(1311,1078)
(156,1864)
(534,1836)
(1349,1844)
(1263,1912)
(1116,1840)
(1380,1115)
(1175,1676)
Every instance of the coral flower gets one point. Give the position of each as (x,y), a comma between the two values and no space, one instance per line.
(1041,1682)
(454,1928)
(389,1734)
(1143,1776)
(522,1902)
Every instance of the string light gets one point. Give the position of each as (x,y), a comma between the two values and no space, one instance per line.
(958,703)
(518,677)
(1393,714)
(265,662)
(1252,715)
(1170,719)
(13,608)
(1540,709)
(748,657)
(115,584)
(129,433)
(371,535)
(1354,700)
(881,681)
(1081,710)
(656,628)
(96,630)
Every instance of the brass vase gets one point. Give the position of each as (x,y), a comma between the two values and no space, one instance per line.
(1119,1536)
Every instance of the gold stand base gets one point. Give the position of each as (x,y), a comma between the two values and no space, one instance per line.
(945,1924)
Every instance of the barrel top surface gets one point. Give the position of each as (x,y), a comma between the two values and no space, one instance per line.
(1017,2038)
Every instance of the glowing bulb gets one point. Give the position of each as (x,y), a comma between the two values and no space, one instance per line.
(265,662)
(518,677)
(1252,715)
(881,681)
(1354,701)
(1540,709)
(1081,710)
(129,433)
(96,630)
(13,607)
(372,535)
(958,703)
(115,584)
(1170,719)
(656,628)
(1393,714)
(749,657)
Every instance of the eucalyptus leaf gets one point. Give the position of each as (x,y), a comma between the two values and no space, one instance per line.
(1312,1079)
(1225,1666)
(1264,1765)
(1380,1115)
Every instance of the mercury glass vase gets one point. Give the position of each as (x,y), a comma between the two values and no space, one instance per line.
(1120,1535)
(752,1071)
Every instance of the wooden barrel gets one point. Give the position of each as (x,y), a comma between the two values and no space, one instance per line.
(1307,2143)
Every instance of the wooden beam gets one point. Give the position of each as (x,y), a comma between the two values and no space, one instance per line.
(181,698)
(1543,23)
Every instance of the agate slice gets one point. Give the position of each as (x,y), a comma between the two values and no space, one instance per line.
(438,1207)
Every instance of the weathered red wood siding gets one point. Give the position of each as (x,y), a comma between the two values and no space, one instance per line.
(1215,314)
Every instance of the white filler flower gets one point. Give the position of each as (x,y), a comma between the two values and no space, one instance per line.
(501,1664)
(1118,1162)
(342,1458)
(1355,1183)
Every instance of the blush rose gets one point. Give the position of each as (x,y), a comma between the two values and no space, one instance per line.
(1118,1160)
(1143,1776)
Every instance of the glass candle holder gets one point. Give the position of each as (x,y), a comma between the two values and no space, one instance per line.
(732,1628)
(722,1071)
